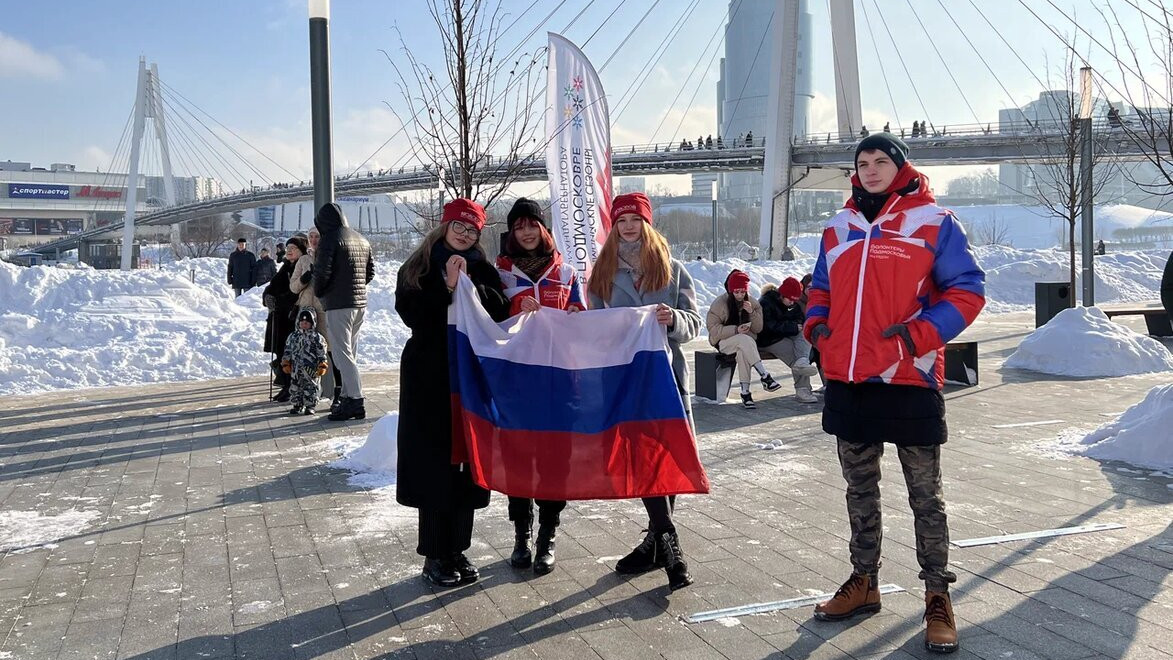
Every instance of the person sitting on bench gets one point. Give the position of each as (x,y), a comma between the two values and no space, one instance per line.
(734,321)
(782,317)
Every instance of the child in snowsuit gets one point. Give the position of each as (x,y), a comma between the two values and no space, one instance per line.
(305,361)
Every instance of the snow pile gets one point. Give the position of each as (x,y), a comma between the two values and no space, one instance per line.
(1139,436)
(1082,341)
(1034,227)
(1120,276)
(27,530)
(374,461)
(63,328)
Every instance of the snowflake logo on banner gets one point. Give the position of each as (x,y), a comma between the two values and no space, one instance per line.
(576,83)
(575,102)
(568,112)
(569,91)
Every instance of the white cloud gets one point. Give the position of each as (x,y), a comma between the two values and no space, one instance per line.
(93,158)
(18,59)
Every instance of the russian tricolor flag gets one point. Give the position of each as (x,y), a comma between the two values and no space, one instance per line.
(563,406)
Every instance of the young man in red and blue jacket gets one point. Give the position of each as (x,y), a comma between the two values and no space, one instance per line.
(894,282)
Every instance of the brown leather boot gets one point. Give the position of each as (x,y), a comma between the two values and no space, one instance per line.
(860,594)
(940,628)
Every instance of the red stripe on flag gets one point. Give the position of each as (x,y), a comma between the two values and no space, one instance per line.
(633,459)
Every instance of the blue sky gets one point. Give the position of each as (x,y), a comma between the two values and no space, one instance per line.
(68,69)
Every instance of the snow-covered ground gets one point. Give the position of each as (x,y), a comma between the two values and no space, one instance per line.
(1140,435)
(70,328)
(1084,342)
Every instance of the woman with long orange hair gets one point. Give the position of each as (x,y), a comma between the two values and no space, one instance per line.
(636,268)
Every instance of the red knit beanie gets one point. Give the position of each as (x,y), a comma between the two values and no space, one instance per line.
(791,288)
(737,280)
(635,202)
(466,211)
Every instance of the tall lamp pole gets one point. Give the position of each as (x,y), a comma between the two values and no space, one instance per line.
(1085,173)
(714,198)
(320,102)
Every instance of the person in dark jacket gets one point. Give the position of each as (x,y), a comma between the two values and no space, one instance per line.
(264,269)
(1167,287)
(343,267)
(444,493)
(282,305)
(782,319)
(240,268)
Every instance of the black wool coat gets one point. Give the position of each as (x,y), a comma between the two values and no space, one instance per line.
(280,322)
(1167,287)
(427,479)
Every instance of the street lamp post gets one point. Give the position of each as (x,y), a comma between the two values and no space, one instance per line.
(319,11)
(1085,173)
(714,198)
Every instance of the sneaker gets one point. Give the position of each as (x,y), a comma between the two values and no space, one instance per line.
(804,395)
(940,627)
(747,401)
(308,411)
(860,594)
(770,384)
(803,367)
(296,410)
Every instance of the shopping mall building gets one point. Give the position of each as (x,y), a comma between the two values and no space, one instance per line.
(40,204)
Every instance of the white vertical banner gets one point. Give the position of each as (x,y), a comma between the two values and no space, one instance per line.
(578,155)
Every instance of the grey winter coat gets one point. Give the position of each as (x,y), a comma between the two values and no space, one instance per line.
(686,324)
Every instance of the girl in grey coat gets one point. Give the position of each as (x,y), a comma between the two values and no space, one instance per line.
(635,268)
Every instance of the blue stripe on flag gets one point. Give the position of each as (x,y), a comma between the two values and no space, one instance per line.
(541,398)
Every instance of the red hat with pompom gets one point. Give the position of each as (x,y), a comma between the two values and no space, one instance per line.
(791,288)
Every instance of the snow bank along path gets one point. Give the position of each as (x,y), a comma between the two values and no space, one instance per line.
(1082,341)
(77,328)
(1139,436)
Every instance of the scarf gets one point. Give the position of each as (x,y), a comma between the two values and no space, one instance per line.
(907,182)
(534,265)
(441,253)
(629,259)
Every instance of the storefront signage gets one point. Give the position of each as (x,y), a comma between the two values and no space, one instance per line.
(99,192)
(37,191)
(40,226)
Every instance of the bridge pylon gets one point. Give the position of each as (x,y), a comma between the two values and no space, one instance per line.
(148,102)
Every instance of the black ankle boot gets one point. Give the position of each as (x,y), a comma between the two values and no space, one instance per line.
(522,531)
(674,565)
(544,550)
(468,573)
(645,557)
(441,571)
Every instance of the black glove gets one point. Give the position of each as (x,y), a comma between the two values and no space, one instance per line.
(270,302)
(307,276)
(818,332)
(902,330)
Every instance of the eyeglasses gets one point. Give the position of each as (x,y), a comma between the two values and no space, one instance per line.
(461,228)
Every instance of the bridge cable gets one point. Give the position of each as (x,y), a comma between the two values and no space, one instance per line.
(176,92)
(880,61)
(113,166)
(197,155)
(520,43)
(627,38)
(1010,46)
(650,63)
(1123,64)
(213,133)
(685,83)
(964,34)
(949,71)
(700,83)
(904,66)
(183,127)
(605,21)
(752,66)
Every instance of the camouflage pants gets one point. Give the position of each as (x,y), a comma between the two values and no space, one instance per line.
(305,387)
(922,473)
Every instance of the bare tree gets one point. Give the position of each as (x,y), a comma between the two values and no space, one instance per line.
(1055,180)
(995,231)
(1148,118)
(203,237)
(474,122)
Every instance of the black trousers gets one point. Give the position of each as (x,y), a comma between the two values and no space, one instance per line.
(549,511)
(660,513)
(444,532)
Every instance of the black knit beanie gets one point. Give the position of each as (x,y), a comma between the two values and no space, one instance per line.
(892,146)
(525,208)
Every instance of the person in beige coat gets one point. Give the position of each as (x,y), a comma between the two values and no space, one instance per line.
(734,321)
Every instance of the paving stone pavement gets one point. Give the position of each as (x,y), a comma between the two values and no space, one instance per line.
(198,521)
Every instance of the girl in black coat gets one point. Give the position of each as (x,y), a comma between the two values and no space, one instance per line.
(282,305)
(427,480)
